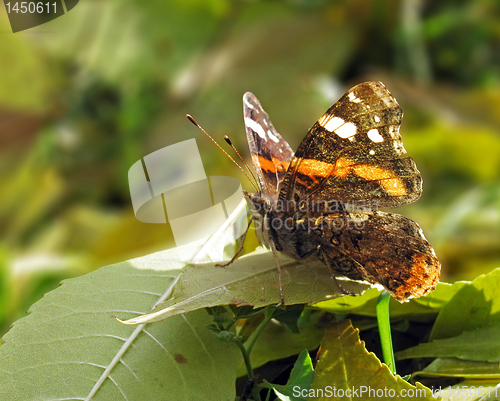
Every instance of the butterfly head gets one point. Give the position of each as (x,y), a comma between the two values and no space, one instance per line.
(259,208)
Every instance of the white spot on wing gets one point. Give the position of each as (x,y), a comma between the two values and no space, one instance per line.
(272,136)
(398,146)
(323,119)
(248,104)
(394,131)
(352,97)
(372,152)
(333,124)
(346,130)
(256,127)
(377,119)
(374,135)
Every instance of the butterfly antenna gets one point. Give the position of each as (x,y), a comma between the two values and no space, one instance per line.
(227,154)
(228,141)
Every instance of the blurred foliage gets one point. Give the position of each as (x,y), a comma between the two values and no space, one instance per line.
(88,94)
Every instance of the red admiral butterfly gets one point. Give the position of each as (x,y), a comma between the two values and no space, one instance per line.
(322,202)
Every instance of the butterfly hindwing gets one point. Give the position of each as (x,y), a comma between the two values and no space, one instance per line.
(383,248)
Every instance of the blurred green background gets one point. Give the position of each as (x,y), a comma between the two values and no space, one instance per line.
(85,96)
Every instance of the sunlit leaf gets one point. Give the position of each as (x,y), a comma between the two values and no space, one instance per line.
(250,280)
(475,305)
(482,344)
(71,336)
(454,367)
(416,308)
(345,366)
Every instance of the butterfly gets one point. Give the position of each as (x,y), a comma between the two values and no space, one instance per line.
(322,201)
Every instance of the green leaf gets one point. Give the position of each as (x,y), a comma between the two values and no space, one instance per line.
(454,367)
(70,345)
(476,345)
(301,377)
(475,305)
(345,366)
(289,316)
(278,342)
(250,280)
(365,304)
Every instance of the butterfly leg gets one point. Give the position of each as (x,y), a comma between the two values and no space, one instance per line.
(241,246)
(332,273)
(278,266)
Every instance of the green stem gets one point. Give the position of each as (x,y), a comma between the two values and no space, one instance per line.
(246,351)
(384,328)
(246,358)
(268,316)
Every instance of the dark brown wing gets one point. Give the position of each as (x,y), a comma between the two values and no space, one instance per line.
(352,154)
(271,154)
(383,248)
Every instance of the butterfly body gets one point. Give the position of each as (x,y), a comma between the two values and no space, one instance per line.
(322,201)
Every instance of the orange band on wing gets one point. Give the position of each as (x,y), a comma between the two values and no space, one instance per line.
(315,168)
(270,165)
(282,166)
(391,183)
(343,167)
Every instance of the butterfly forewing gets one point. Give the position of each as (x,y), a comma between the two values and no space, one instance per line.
(271,154)
(352,154)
